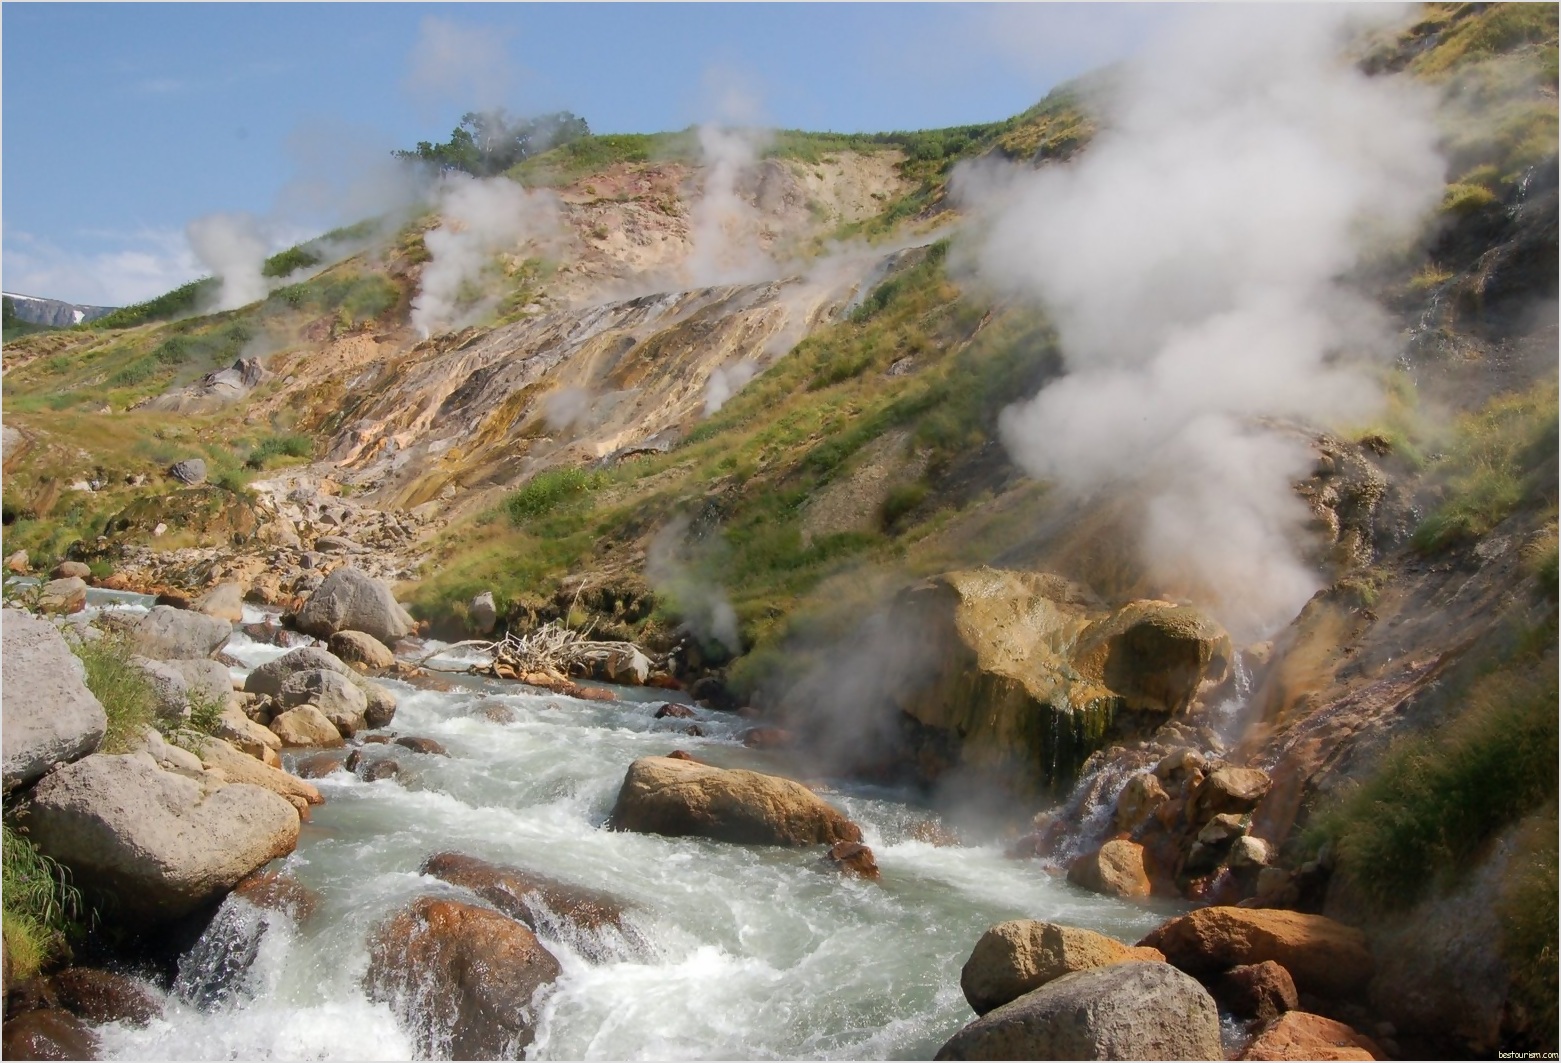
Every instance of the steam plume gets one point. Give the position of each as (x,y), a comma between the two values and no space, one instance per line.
(700,601)
(233,248)
(480,217)
(1192,261)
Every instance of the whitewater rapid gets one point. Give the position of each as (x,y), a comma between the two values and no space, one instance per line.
(735,952)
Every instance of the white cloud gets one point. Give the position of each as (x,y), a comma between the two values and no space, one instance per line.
(145,263)
(468,65)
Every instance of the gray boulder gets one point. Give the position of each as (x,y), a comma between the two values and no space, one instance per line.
(382,704)
(483,612)
(355,647)
(225,601)
(351,600)
(1124,1011)
(269,677)
(176,684)
(48,715)
(332,693)
(159,844)
(169,634)
(191,471)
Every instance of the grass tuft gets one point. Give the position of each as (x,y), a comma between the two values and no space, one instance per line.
(123,689)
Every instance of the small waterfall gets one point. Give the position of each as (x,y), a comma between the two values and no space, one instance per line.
(241,947)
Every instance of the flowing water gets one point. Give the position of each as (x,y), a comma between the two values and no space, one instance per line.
(734,952)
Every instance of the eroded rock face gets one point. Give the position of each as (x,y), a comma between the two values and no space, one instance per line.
(1021,955)
(48,715)
(1324,957)
(460,978)
(169,634)
(1027,672)
(680,798)
(161,844)
(352,600)
(1126,1010)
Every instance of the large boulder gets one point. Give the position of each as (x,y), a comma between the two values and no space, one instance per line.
(177,685)
(190,471)
(234,765)
(305,726)
(1227,790)
(159,844)
(47,715)
(248,736)
(1122,1011)
(1260,991)
(460,978)
(269,677)
(1324,957)
(169,634)
(536,900)
(48,1033)
(1021,955)
(483,613)
(357,647)
(102,996)
(335,695)
(679,798)
(1022,674)
(225,601)
(381,704)
(1299,1035)
(1116,869)
(351,600)
(68,595)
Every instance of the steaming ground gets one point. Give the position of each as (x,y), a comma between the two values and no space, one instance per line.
(1192,262)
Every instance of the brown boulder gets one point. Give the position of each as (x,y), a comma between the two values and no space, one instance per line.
(1155,654)
(1140,799)
(852,858)
(423,745)
(497,712)
(1021,955)
(1299,1035)
(48,1033)
(1226,789)
(279,893)
(459,978)
(1116,869)
(767,738)
(535,900)
(305,726)
(68,595)
(364,650)
(317,765)
(1324,957)
(678,798)
(675,710)
(71,570)
(101,996)
(1261,991)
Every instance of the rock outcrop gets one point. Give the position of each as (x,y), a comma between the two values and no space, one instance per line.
(1021,955)
(159,844)
(1124,1011)
(681,798)
(352,600)
(48,715)
(535,900)
(1299,1035)
(460,978)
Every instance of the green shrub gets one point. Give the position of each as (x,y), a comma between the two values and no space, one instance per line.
(1529,929)
(293,445)
(284,263)
(1438,797)
(38,903)
(548,490)
(901,500)
(183,301)
(1495,464)
(121,687)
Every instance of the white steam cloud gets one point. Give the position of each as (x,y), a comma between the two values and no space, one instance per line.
(566,407)
(233,247)
(725,382)
(723,224)
(479,218)
(699,600)
(1192,260)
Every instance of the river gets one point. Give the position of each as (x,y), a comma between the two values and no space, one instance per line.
(737,952)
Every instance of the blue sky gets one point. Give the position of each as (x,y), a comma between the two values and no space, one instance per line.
(122,122)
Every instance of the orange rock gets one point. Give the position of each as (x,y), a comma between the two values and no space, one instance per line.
(1324,957)
(1115,869)
(1300,1035)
